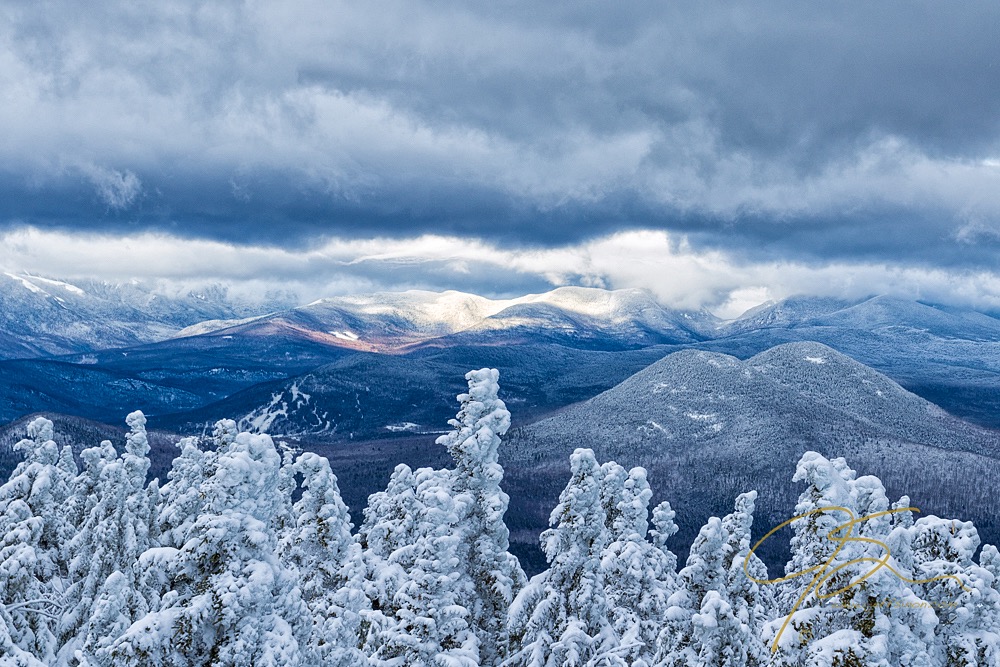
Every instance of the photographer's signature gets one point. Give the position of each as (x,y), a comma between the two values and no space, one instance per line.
(841,535)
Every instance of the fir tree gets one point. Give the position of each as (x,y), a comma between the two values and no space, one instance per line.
(849,609)
(440,573)
(474,445)
(961,593)
(104,568)
(706,571)
(662,529)
(181,496)
(638,576)
(331,570)
(750,601)
(32,527)
(232,602)
(12,655)
(561,617)
(416,581)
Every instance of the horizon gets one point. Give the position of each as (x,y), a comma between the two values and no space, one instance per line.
(292,300)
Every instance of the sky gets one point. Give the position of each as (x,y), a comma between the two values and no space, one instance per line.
(718,154)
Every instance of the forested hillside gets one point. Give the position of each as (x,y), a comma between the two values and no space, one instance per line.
(246,555)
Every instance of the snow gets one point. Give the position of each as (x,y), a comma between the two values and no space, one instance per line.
(422,314)
(659,427)
(403,426)
(300,398)
(261,419)
(816,360)
(211,326)
(31,287)
(58,283)
(222,566)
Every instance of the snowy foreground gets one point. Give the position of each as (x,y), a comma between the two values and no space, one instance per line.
(221,567)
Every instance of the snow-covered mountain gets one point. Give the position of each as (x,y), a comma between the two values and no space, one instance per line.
(872,314)
(210,352)
(948,355)
(577,315)
(395,321)
(786,313)
(41,316)
(711,426)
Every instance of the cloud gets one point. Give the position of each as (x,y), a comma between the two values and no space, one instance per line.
(678,274)
(117,189)
(812,134)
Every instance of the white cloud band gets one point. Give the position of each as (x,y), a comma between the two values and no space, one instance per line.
(678,274)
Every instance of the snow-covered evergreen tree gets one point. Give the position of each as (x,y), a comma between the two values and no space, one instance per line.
(474,444)
(662,528)
(416,579)
(562,617)
(750,601)
(86,487)
(391,518)
(104,567)
(12,655)
(433,599)
(961,593)
(241,575)
(682,637)
(331,570)
(63,490)
(638,576)
(440,573)
(32,534)
(181,496)
(21,588)
(232,603)
(284,517)
(849,608)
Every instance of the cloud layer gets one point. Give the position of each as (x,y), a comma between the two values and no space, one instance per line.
(776,134)
(678,274)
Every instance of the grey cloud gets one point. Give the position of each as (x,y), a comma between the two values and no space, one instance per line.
(118,189)
(783,129)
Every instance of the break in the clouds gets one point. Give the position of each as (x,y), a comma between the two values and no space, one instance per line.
(680,275)
(779,133)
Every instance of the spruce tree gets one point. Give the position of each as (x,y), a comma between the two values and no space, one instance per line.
(328,559)
(436,548)
(181,496)
(12,655)
(561,617)
(104,569)
(474,444)
(32,530)
(638,576)
(751,602)
(706,571)
(961,593)
(849,607)
(232,602)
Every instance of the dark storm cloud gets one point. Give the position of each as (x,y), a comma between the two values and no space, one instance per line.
(804,130)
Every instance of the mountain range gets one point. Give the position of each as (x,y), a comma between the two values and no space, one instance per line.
(42,316)
(712,407)
(337,367)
